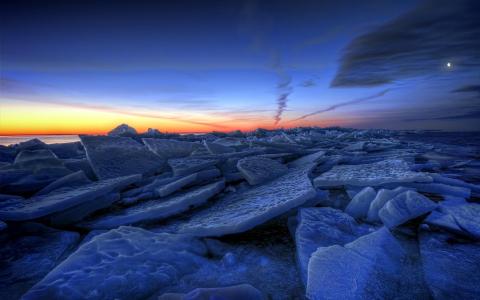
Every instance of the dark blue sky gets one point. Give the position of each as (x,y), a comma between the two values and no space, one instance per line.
(203,65)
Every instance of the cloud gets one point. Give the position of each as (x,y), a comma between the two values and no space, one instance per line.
(308,83)
(474,88)
(347,103)
(417,43)
(468,115)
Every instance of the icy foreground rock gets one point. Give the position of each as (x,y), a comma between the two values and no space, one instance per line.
(257,170)
(461,218)
(157,209)
(451,267)
(112,157)
(322,227)
(28,253)
(243,211)
(167,149)
(370,267)
(375,174)
(43,205)
(124,263)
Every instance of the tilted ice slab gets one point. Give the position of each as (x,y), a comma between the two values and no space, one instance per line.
(79,212)
(405,207)
(167,149)
(322,227)
(215,148)
(382,197)
(28,252)
(257,170)
(451,268)
(119,156)
(124,263)
(235,292)
(43,205)
(360,203)
(463,218)
(189,165)
(176,185)
(71,180)
(368,268)
(157,209)
(316,157)
(242,211)
(375,174)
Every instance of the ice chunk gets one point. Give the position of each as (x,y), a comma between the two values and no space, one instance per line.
(123,130)
(404,207)
(441,189)
(239,212)
(374,174)
(316,157)
(463,218)
(78,212)
(215,148)
(67,150)
(33,144)
(119,156)
(368,268)
(358,207)
(43,205)
(124,263)
(322,227)
(157,209)
(257,170)
(236,292)
(451,268)
(167,149)
(28,252)
(381,198)
(189,165)
(71,180)
(174,186)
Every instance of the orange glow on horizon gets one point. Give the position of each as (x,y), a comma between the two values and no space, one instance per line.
(48,119)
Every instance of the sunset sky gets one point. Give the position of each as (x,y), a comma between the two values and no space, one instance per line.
(69,67)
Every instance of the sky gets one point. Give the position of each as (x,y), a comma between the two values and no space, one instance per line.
(70,67)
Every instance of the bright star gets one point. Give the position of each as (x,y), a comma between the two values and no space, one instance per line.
(449,65)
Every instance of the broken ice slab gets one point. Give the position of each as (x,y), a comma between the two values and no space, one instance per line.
(156,209)
(375,266)
(460,218)
(451,266)
(360,203)
(316,157)
(322,227)
(257,170)
(242,211)
(176,185)
(80,211)
(70,180)
(405,207)
(374,174)
(112,157)
(167,149)
(124,263)
(382,197)
(189,165)
(43,205)
(215,148)
(28,252)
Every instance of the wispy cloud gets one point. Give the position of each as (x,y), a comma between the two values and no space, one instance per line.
(347,103)
(415,44)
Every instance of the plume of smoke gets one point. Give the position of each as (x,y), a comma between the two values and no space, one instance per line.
(284,89)
(256,26)
(347,103)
